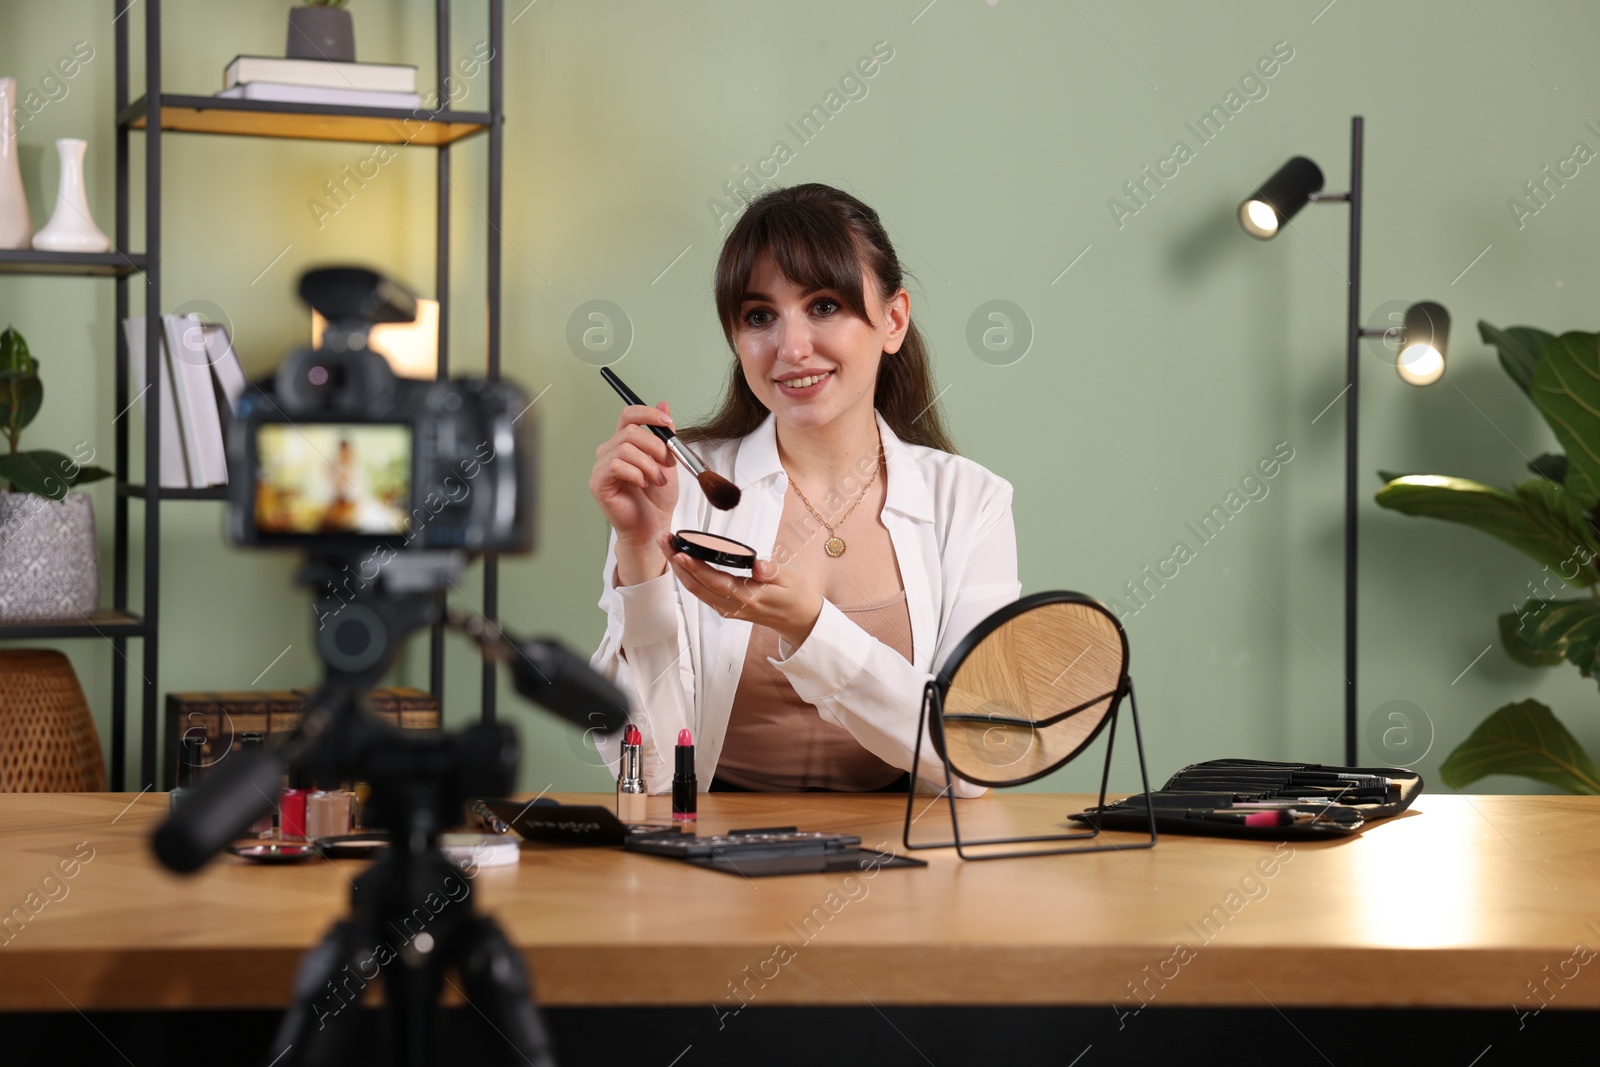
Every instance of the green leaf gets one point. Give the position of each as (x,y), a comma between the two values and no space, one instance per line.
(1524,739)
(1568,629)
(1551,466)
(1539,518)
(1566,390)
(1519,350)
(1389,476)
(1513,641)
(48,474)
(15,360)
(20,399)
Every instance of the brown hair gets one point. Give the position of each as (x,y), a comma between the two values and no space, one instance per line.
(821,238)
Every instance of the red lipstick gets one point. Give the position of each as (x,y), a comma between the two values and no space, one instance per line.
(684,786)
(631,795)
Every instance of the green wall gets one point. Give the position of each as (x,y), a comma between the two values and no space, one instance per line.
(1171,357)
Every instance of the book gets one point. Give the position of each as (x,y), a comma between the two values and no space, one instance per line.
(318,94)
(195,399)
(227,372)
(174,458)
(370,77)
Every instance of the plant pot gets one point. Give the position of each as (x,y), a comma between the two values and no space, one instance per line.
(321,33)
(49,559)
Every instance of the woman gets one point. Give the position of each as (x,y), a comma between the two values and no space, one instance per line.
(879,547)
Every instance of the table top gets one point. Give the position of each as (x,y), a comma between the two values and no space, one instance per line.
(1461,901)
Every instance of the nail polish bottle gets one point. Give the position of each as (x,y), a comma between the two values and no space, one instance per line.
(292,809)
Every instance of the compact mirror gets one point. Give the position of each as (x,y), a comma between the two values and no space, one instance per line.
(1025,692)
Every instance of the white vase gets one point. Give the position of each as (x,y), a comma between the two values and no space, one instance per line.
(16,228)
(71,229)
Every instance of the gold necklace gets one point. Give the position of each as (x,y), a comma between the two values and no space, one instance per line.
(834,545)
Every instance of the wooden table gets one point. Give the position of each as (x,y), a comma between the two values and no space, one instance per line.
(1460,902)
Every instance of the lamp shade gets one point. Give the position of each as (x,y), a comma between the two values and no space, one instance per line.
(412,348)
(1427,338)
(1263,212)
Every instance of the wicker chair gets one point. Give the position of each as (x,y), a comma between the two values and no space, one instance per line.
(48,743)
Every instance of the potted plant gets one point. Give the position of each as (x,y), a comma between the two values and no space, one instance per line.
(49,560)
(322,29)
(1553,518)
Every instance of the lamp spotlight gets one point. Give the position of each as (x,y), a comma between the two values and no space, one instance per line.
(1263,212)
(1427,338)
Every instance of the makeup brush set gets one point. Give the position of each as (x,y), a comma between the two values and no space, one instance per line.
(1264,799)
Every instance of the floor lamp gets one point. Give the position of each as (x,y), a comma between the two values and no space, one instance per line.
(1423,340)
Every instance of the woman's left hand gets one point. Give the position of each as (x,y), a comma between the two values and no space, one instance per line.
(780,599)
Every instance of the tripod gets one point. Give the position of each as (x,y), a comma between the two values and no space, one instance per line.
(411,912)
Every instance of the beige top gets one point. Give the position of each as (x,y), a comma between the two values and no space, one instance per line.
(776,742)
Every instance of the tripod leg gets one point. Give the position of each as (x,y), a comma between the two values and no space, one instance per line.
(321,1023)
(498,986)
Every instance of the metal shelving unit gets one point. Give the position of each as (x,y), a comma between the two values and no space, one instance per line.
(154,115)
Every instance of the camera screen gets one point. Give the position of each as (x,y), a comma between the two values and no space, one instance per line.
(332,478)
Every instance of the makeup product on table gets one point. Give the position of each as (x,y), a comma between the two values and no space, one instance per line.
(192,758)
(1262,799)
(262,827)
(274,852)
(684,786)
(480,850)
(713,548)
(328,813)
(490,819)
(292,810)
(723,494)
(771,850)
(631,796)
(570,824)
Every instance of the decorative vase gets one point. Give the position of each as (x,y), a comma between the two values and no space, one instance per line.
(16,228)
(71,229)
(321,33)
(49,559)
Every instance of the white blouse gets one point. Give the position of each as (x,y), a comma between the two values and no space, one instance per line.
(949,521)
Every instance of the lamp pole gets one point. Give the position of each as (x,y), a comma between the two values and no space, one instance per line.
(1354,332)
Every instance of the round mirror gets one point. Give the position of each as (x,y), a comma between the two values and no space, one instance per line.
(1029,688)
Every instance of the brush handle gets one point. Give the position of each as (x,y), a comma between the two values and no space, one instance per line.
(688,458)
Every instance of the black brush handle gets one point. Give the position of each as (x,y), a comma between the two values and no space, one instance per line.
(633,398)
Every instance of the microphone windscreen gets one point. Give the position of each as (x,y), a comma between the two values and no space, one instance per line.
(239,790)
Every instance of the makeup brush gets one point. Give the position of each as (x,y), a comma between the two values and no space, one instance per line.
(723,494)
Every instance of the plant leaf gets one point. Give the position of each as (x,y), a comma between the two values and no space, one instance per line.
(20,399)
(1543,629)
(15,360)
(48,474)
(1550,465)
(1539,518)
(1519,348)
(1566,390)
(1524,739)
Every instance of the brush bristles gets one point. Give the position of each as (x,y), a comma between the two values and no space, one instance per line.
(723,494)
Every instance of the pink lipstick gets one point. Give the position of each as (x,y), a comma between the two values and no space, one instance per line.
(684,786)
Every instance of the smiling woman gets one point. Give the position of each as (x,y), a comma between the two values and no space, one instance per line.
(808,673)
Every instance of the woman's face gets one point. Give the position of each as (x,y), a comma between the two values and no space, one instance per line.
(786,335)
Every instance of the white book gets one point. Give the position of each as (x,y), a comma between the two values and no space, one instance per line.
(225,365)
(316,94)
(197,404)
(174,462)
(375,77)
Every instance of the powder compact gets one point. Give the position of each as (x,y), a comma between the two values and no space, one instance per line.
(711,548)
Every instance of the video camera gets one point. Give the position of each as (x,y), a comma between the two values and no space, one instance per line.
(335,454)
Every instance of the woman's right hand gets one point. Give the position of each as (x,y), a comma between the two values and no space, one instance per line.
(635,482)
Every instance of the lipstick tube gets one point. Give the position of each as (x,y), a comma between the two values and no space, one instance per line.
(631,796)
(684,786)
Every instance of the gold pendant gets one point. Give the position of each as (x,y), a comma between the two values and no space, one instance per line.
(834,546)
